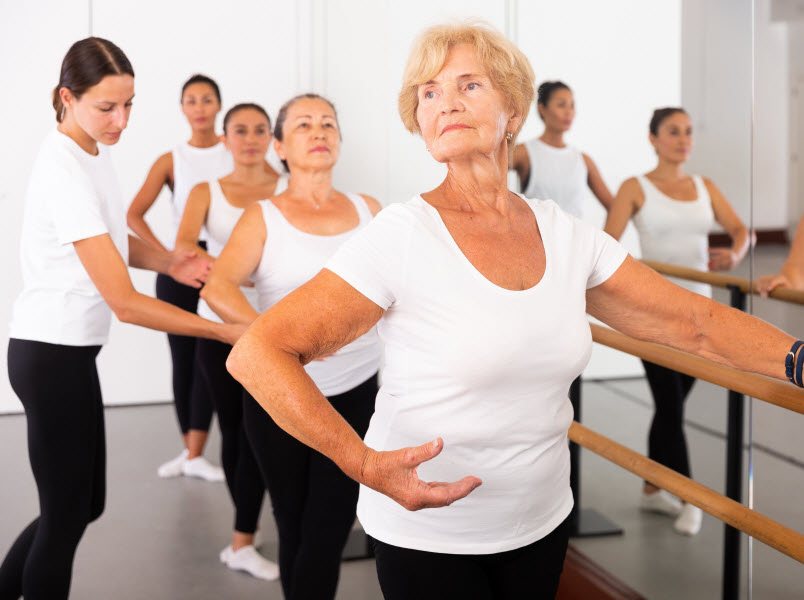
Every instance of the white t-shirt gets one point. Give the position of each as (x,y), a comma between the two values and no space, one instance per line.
(72,196)
(485,368)
(292,257)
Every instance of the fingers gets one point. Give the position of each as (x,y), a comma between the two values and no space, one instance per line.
(439,494)
(416,456)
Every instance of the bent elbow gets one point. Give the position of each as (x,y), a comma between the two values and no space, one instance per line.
(236,361)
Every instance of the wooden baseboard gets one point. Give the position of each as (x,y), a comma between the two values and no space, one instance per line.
(764,236)
(584,579)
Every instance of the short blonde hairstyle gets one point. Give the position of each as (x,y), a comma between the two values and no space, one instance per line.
(507,67)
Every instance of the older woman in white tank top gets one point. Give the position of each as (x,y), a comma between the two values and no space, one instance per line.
(216,206)
(281,243)
(673,213)
(551,169)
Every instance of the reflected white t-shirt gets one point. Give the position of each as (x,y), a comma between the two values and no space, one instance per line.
(485,368)
(72,195)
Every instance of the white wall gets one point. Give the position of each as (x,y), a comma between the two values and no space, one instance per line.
(622,58)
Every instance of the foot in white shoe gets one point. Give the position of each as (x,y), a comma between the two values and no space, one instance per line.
(226,554)
(689,521)
(173,467)
(252,562)
(200,467)
(662,502)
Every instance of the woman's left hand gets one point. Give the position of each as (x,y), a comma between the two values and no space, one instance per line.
(722,259)
(189,267)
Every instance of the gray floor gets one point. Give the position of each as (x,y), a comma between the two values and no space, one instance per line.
(160,539)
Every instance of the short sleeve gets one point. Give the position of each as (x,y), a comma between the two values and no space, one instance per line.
(606,257)
(373,261)
(73,203)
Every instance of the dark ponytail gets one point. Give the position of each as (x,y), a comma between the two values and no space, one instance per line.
(85,64)
(660,114)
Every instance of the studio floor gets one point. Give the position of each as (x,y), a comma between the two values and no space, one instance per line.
(160,538)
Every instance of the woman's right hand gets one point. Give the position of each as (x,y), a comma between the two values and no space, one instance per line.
(767,283)
(394,473)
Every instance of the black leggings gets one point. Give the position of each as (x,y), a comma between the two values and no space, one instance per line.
(667,444)
(531,572)
(313,501)
(59,389)
(190,396)
(243,475)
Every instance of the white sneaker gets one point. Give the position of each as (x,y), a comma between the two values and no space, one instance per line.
(252,562)
(173,467)
(662,502)
(203,469)
(689,521)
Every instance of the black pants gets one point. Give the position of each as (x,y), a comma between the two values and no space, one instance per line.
(59,389)
(531,572)
(313,501)
(190,396)
(667,443)
(239,465)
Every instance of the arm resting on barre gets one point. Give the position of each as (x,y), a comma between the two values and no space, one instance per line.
(640,303)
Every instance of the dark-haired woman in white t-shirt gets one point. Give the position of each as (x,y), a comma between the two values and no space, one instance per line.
(74,253)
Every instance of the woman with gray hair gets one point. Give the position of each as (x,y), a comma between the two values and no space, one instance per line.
(480,297)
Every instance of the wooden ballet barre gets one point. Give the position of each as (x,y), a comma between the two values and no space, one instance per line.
(723,281)
(773,391)
(757,525)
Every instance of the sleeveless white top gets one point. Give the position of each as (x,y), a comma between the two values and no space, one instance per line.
(221,219)
(557,174)
(676,231)
(192,166)
(292,257)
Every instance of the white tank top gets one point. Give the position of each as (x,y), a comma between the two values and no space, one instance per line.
(292,257)
(221,219)
(557,174)
(192,166)
(676,231)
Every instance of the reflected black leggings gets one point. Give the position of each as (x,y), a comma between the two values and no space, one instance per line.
(313,501)
(243,476)
(59,389)
(667,443)
(190,395)
(531,572)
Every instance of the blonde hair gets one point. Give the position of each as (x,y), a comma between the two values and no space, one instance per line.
(507,66)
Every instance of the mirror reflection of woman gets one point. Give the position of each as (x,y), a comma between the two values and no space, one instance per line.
(216,206)
(75,250)
(791,274)
(548,167)
(201,158)
(280,244)
(674,213)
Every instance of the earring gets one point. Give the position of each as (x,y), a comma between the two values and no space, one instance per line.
(509,136)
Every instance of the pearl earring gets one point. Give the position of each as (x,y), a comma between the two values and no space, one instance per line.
(509,136)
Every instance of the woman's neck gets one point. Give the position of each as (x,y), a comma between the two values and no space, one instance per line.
(73,130)
(668,170)
(553,137)
(475,185)
(251,175)
(314,186)
(205,138)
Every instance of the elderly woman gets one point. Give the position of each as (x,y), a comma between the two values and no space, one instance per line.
(481,298)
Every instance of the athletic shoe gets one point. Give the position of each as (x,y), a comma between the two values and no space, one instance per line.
(200,467)
(689,521)
(173,467)
(662,502)
(252,562)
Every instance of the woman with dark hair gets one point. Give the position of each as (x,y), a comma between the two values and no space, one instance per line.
(547,166)
(74,250)
(201,158)
(216,206)
(673,213)
(281,243)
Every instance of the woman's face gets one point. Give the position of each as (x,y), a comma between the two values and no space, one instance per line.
(200,105)
(247,136)
(311,139)
(559,112)
(460,113)
(673,139)
(102,111)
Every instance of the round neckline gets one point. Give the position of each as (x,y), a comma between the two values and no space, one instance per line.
(223,194)
(695,183)
(70,140)
(320,235)
(473,270)
(563,148)
(208,148)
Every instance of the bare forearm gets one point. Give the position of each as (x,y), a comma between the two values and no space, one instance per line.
(193,247)
(740,243)
(144,256)
(139,309)
(139,226)
(278,381)
(228,301)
